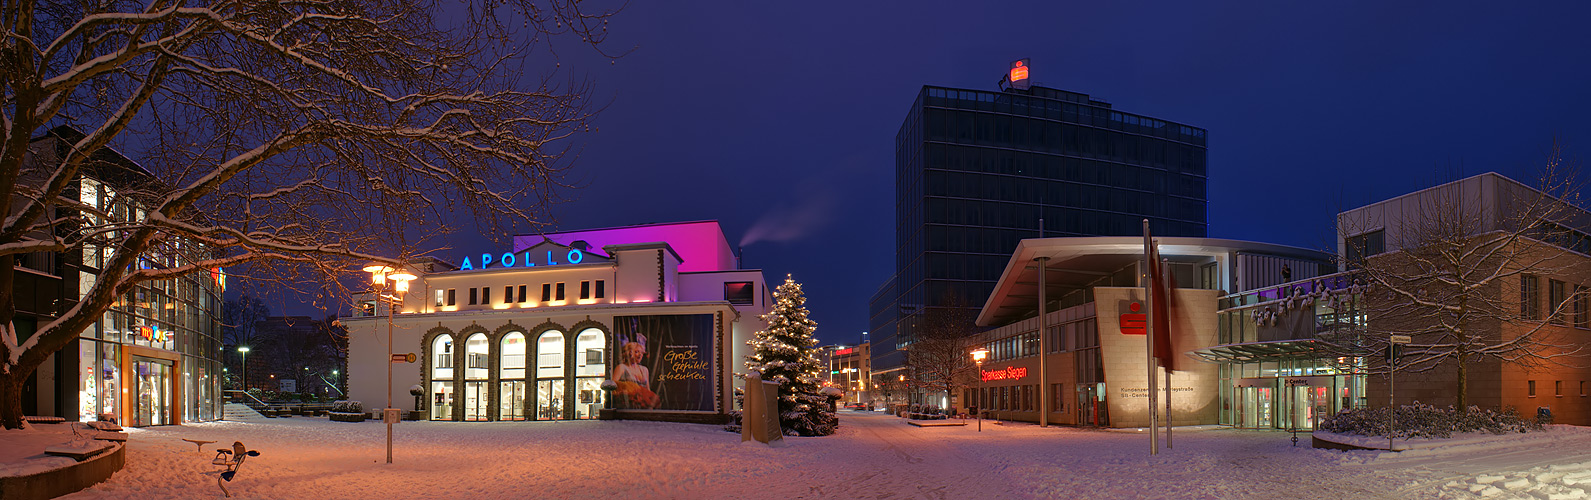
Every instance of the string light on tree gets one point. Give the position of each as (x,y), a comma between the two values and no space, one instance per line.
(787,353)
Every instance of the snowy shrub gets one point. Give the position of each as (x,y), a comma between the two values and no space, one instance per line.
(346,406)
(1425,421)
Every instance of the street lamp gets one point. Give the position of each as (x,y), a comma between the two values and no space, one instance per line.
(380,275)
(978,356)
(245,351)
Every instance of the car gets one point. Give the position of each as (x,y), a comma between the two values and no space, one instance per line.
(855,406)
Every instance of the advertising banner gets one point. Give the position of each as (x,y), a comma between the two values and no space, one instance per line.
(664,362)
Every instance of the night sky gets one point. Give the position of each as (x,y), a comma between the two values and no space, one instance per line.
(778,119)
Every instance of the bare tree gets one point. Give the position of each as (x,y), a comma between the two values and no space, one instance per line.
(1463,274)
(938,354)
(297,137)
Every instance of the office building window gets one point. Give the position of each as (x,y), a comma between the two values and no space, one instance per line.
(1532,388)
(1580,301)
(1558,300)
(1529,296)
(1363,246)
(1057,398)
(1557,388)
(739,292)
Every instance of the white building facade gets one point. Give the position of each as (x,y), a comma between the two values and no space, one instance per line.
(533,333)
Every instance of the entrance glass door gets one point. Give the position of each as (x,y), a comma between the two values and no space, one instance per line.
(512,400)
(549,399)
(152,380)
(475,401)
(1254,407)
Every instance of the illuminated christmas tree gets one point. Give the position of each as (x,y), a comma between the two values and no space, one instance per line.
(787,353)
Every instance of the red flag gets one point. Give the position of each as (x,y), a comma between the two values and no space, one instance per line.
(1161,290)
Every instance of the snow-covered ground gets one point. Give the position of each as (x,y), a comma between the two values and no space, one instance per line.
(873,456)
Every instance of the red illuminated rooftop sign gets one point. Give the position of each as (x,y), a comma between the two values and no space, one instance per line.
(844,351)
(1019,74)
(1009,373)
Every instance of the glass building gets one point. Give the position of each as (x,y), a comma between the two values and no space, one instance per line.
(976,172)
(153,358)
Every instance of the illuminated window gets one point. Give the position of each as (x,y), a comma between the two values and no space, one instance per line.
(441,297)
(739,292)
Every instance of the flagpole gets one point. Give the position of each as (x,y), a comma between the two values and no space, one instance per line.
(1149,339)
(1169,302)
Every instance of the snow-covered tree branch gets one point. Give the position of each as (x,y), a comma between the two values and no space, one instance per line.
(299,137)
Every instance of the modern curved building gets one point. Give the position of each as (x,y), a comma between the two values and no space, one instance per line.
(1095,372)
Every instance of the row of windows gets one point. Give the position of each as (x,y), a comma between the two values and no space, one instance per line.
(1557,388)
(550,292)
(1186,202)
(1091,112)
(1029,165)
(984,129)
(1015,398)
(1567,304)
(1063,337)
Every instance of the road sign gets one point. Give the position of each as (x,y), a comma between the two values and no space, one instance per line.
(390,415)
(1401,339)
(403,358)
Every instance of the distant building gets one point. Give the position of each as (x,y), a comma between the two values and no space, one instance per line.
(976,171)
(849,369)
(533,332)
(309,352)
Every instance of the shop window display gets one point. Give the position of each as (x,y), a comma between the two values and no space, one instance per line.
(511,393)
(550,375)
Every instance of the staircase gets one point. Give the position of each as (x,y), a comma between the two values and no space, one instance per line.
(236,412)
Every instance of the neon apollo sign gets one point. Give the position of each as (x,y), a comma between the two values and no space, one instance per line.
(509,259)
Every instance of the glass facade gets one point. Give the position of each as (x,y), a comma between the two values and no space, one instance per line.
(171,323)
(976,171)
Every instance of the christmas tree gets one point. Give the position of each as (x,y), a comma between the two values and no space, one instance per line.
(787,353)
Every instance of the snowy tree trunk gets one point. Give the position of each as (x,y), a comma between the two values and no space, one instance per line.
(11,398)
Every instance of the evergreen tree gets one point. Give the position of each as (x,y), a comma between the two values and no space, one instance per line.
(787,353)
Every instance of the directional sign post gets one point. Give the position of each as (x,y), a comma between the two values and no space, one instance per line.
(1392,371)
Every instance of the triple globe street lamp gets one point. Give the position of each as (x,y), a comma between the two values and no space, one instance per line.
(381,277)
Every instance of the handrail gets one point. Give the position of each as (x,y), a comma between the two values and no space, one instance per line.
(251,396)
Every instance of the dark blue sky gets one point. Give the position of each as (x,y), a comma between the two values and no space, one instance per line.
(786,113)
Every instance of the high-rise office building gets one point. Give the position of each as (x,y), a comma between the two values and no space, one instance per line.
(976,171)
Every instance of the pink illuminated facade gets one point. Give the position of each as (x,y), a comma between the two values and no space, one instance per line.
(536,332)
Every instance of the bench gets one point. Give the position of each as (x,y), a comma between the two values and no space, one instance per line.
(935,423)
(43,419)
(120,437)
(77,450)
(198,442)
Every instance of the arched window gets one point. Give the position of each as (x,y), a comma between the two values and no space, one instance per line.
(549,376)
(511,393)
(476,371)
(590,368)
(442,377)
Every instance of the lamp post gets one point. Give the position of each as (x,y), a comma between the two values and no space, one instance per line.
(978,356)
(245,351)
(380,275)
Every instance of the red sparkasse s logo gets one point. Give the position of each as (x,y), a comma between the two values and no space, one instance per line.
(1134,323)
